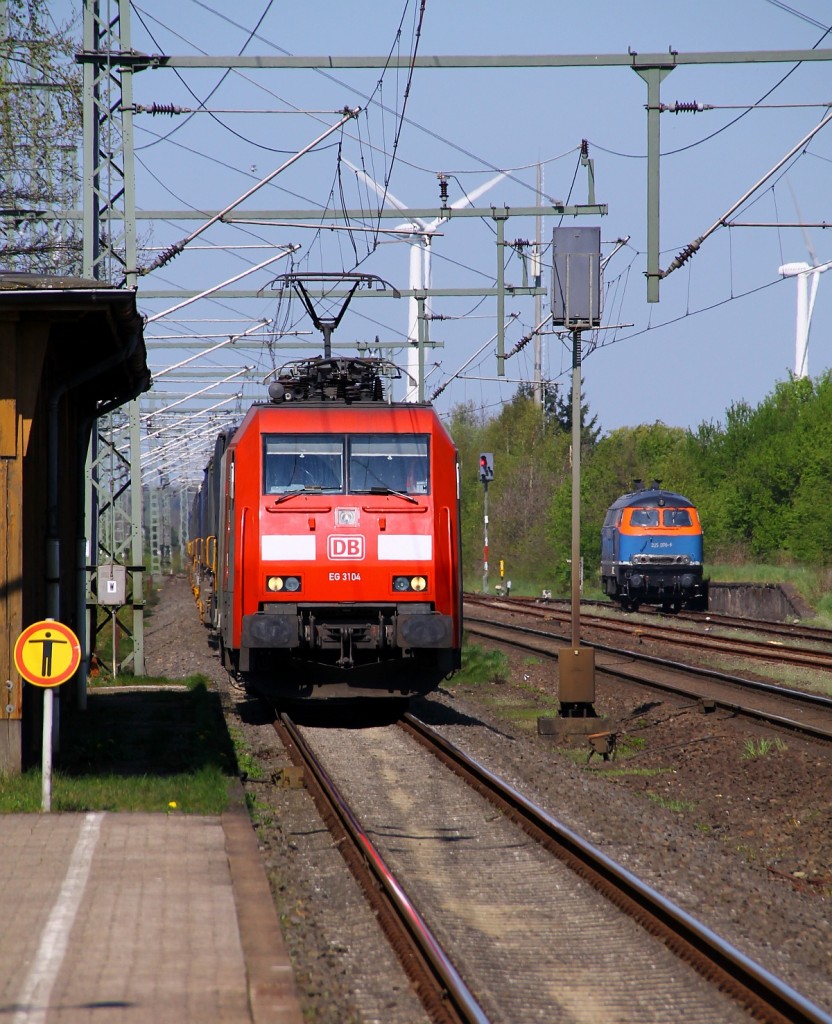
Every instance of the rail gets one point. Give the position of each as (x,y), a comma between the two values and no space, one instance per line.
(768,998)
(438,983)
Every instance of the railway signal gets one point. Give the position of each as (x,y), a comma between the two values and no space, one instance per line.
(486,476)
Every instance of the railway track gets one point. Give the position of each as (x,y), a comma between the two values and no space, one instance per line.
(443,993)
(809,714)
(792,630)
(507,905)
(692,636)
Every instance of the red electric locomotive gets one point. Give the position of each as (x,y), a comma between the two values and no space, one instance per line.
(338,545)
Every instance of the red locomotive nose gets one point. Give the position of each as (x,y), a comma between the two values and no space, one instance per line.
(338,545)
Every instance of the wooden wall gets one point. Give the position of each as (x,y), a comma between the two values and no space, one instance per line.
(22,354)
(73,347)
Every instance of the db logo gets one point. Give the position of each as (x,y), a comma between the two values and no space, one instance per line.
(345,547)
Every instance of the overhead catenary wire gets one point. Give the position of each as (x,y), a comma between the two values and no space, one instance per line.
(287,251)
(622,279)
(693,247)
(175,249)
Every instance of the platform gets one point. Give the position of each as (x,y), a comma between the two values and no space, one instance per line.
(140,919)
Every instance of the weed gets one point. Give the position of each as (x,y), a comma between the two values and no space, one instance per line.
(481,666)
(671,805)
(747,852)
(627,746)
(527,716)
(246,761)
(635,773)
(751,750)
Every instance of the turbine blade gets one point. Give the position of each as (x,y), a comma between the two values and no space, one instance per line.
(480,190)
(807,238)
(469,199)
(380,191)
(813,291)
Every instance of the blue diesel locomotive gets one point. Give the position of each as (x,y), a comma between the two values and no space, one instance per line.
(651,551)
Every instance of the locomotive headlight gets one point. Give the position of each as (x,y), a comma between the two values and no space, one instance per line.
(404,583)
(276,584)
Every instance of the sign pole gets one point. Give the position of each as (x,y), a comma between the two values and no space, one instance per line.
(46,761)
(115,644)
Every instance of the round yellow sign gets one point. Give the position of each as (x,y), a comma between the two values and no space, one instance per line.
(47,653)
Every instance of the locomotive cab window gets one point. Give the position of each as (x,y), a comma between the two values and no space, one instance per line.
(644,517)
(300,462)
(677,517)
(389,462)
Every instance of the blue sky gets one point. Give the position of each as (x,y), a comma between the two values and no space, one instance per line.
(724,328)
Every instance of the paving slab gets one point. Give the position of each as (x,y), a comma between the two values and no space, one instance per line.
(139,919)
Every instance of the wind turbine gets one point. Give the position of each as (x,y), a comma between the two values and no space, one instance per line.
(806,294)
(420,237)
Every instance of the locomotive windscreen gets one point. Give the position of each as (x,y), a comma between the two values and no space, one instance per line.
(394,462)
(667,517)
(297,461)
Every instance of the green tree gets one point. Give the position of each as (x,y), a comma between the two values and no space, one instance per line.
(762,480)
(533,462)
(558,406)
(530,462)
(767,473)
(40,136)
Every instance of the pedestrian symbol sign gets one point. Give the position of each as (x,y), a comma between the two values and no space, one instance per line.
(47,653)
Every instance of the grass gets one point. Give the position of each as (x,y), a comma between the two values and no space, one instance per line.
(670,804)
(246,762)
(528,716)
(163,751)
(481,666)
(751,750)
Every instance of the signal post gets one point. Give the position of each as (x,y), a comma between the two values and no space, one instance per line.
(486,476)
(576,305)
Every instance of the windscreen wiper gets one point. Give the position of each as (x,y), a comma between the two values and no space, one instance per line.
(389,490)
(314,489)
